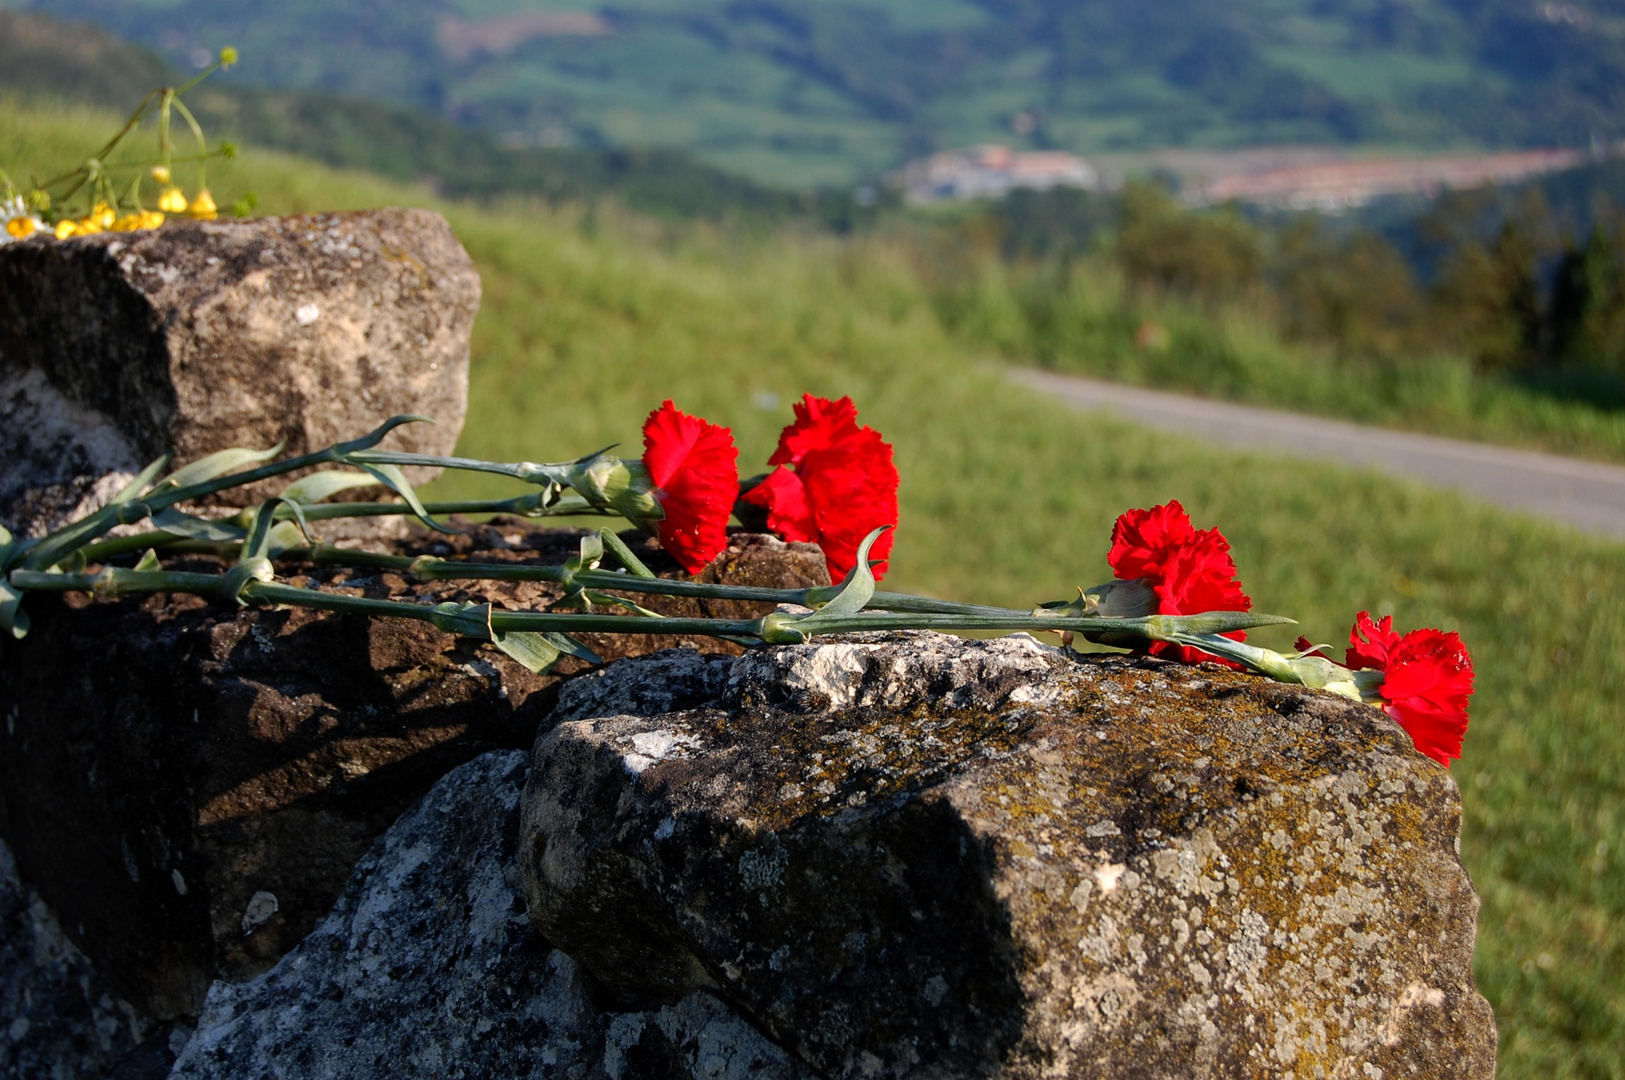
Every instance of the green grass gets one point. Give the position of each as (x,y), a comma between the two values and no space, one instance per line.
(1087,322)
(591,319)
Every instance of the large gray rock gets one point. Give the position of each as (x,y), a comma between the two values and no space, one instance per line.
(428,966)
(914,856)
(118,347)
(168,765)
(59,1020)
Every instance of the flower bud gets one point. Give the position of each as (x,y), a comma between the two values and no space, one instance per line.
(66,228)
(172,201)
(623,486)
(160,174)
(228,56)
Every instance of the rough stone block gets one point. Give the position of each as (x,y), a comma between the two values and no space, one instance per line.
(914,856)
(428,966)
(58,1018)
(190,786)
(118,347)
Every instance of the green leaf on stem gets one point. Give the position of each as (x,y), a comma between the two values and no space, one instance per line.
(470,620)
(591,554)
(216,464)
(148,561)
(858,588)
(118,511)
(376,435)
(285,536)
(129,492)
(539,652)
(13,619)
(321,486)
(171,520)
(392,477)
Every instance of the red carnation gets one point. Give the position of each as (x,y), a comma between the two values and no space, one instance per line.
(693,464)
(1427,678)
(1189,570)
(835,483)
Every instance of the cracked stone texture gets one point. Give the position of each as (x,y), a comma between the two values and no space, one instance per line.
(196,336)
(58,1018)
(166,760)
(428,966)
(909,855)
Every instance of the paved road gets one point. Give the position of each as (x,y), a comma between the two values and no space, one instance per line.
(1586,495)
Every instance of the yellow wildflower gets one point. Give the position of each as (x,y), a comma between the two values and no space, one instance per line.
(89,225)
(160,174)
(151,219)
(127,223)
(17,222)
(228,56)
(66,228)
(104,215)
(203,206)
(172,200)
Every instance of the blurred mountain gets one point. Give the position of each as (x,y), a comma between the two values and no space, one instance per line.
(811,92)
(44,57)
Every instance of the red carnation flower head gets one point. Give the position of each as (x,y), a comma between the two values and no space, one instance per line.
(834,483)
(1427,678)
(1188,569)
(694,466)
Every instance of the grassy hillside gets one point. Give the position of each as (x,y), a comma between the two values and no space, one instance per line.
(591,318)
(45,57)
(829,92)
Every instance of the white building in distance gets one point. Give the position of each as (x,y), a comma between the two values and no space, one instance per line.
(991,172)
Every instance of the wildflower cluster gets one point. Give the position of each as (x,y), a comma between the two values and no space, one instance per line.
(833,482)
(101,195)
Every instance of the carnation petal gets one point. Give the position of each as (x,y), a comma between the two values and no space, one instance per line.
(820,423)
(695,465)
(784,497)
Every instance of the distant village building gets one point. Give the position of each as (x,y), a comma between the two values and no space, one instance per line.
(991,172)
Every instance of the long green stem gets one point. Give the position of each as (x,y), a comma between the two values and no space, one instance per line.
(528,471)
(776,627)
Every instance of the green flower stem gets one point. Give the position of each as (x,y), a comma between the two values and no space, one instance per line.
(528,471)
(118,581)
(775,628)
(524,506)
(432,569)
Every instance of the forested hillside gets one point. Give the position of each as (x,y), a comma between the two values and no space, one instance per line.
(832,92)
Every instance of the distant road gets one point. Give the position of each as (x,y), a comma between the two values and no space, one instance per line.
(1586,495)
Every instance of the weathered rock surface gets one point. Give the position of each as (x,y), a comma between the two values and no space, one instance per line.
(118,347)
(58,1019)
(912,856)
(428,966)
(189,786)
